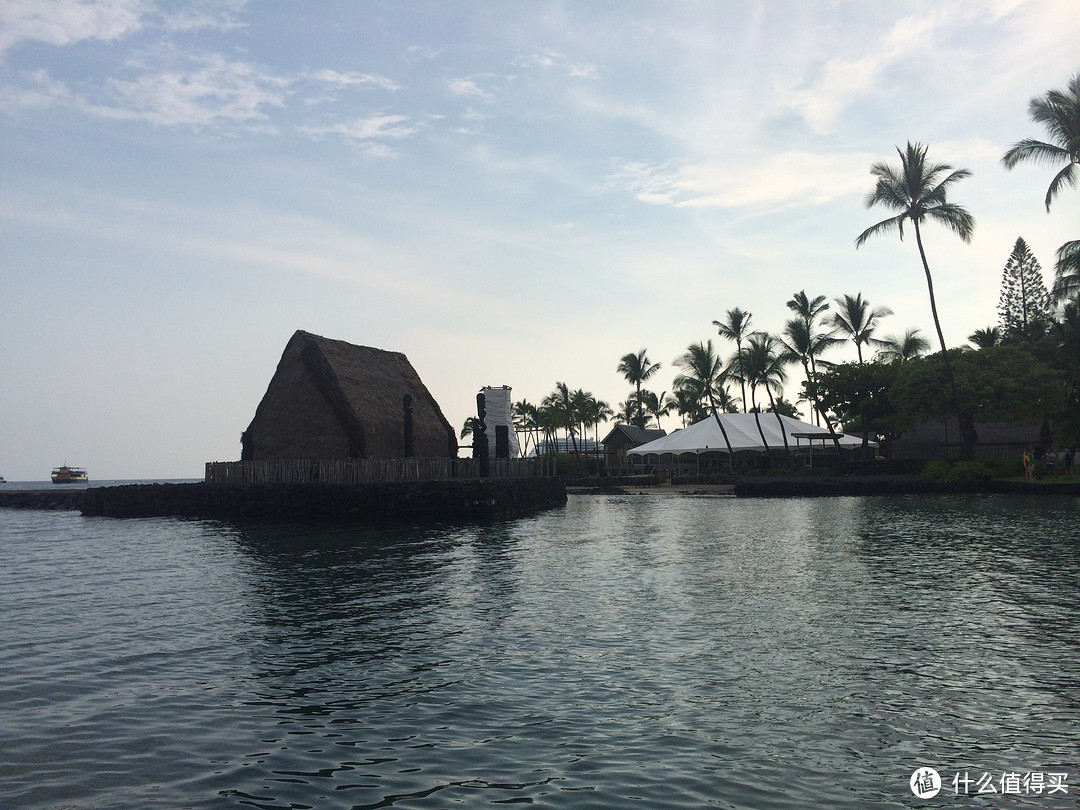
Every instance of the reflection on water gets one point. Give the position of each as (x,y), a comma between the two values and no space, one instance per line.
(653,650)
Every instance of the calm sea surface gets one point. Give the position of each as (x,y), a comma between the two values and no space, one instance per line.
(653,651)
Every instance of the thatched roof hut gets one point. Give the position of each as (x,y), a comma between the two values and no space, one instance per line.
(330,399)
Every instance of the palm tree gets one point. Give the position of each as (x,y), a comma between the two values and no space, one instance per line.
(900,349)
(802,344)
(599,412)
(1059,112)
(525,421)
(704,376)
(654,405)
(811,311)
(857,320)
(589,412)
(763,362)
(686,402)
(736,328)
(1067,272)
(628,411)
(917,191)
(636,369)
(806,308)
(560,404)
(784,408)
(548,423)
(581,405)
(985,338)
(702,371)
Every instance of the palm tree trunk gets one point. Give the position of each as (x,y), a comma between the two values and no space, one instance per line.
(811,389)
(742,374)
(757,420)
(720,424)
(967,426)
(783,433)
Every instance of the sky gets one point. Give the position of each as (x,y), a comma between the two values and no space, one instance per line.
(508,193)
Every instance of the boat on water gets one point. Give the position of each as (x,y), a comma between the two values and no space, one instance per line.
(69,475)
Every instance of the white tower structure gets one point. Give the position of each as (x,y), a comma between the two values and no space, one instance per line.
(499,412)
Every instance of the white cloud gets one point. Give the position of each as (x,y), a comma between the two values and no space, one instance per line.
(353,79)
(783,179)
(373,126)
(467,87)
(219,15)
(62,22)
(843,79)
(422,53)
(213,92)
(37,90)
(368,133)
(587,71)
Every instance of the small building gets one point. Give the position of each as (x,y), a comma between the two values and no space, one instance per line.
(500,414)
(997,441)
(329,399)
(623,438)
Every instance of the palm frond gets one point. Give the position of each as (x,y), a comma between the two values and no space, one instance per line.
(885,226)
(954,217)
(1031,150)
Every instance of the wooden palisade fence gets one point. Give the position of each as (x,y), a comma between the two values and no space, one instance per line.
(360,471)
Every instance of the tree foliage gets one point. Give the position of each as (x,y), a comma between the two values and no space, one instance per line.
(918,191)
(1059,113)
(1025,305)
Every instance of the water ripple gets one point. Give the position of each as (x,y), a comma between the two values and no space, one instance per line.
(652,651)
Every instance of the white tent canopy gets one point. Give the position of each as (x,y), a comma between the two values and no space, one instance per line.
(742,433)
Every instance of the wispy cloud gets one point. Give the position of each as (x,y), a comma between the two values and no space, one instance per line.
(368,133)
(212,91)
(844,79)
(552,59)
(333,77)
(62,22)
(217,15)
(468,88)
(774,180)
(421,53)
(37,89)
(586,71)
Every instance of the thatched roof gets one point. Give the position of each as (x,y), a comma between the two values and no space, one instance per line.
(332,399)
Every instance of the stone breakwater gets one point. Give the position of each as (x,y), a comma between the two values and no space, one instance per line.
(418,500)
(52,499)
(813,486)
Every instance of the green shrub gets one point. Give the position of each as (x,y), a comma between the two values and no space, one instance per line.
(941,470)
(972,470)
(938,470)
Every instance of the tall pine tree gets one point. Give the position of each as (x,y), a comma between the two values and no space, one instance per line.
(1024,306)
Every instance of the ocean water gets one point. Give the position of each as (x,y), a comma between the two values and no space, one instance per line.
(651,651)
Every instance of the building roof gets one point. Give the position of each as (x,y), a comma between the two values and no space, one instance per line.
(360,388)
(633,435)
(744,431)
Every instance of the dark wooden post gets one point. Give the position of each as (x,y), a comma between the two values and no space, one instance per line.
(480,439)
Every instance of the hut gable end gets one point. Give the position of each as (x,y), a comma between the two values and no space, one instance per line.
(330,399)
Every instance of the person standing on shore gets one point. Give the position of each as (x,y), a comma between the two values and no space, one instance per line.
(1029,465)
(1070,457)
